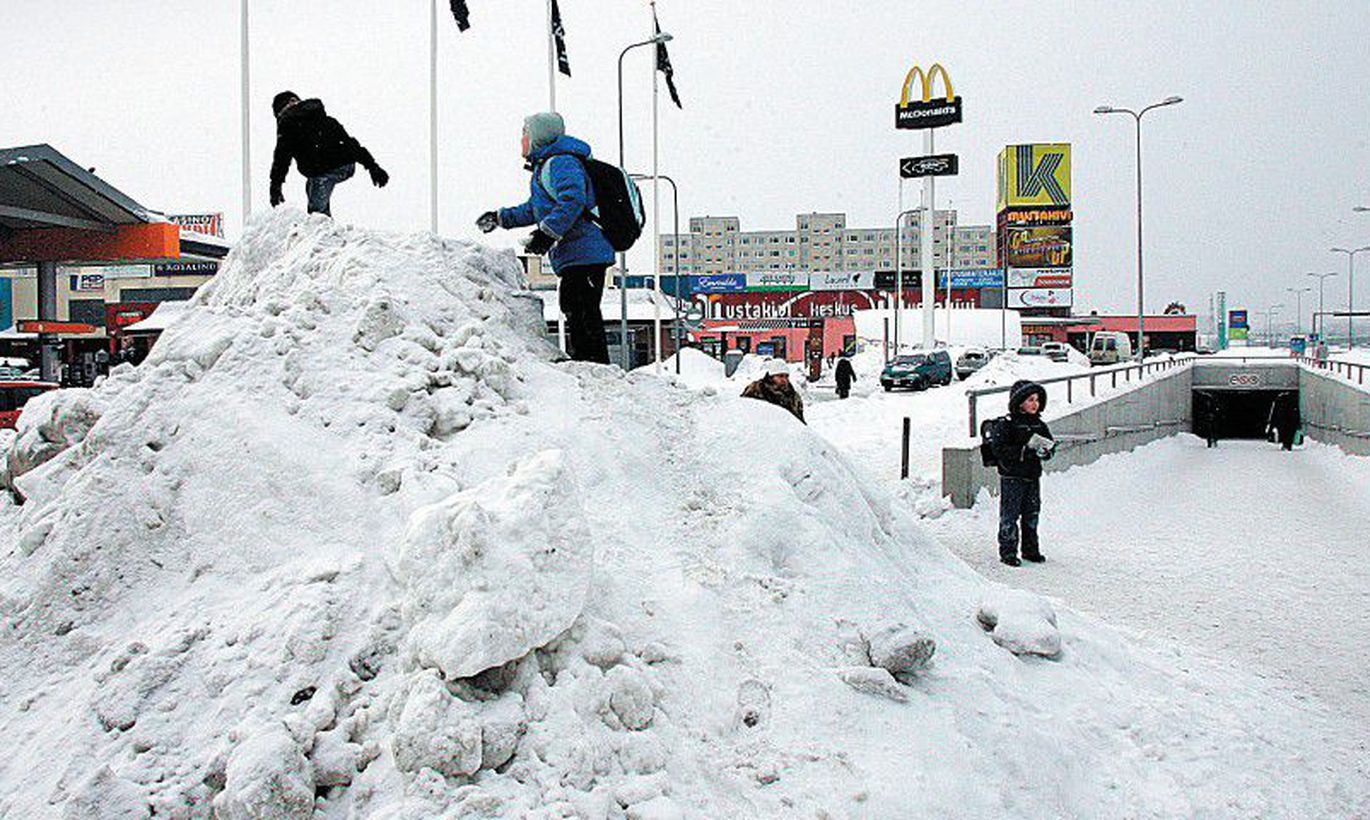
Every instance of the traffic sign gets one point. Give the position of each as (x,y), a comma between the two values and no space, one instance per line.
(933,165)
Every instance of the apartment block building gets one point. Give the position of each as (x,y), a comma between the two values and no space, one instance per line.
(821,242)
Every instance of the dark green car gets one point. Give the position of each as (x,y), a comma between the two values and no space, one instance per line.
(917,371)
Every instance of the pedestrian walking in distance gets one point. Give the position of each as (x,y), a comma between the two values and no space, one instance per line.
(561,204)
(321,149)
(1019,443)
(775,387)
(845,375)
(1284,419)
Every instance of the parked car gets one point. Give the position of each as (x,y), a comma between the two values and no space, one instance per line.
(917,371)
(14,394)
(1056,351)
(1110,347)
(1029,350)
(970,361)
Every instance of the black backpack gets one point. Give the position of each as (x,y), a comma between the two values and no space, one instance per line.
(618,202)
(990,430)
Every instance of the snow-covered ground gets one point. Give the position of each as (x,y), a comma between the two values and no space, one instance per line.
(349,544)
(1256,556)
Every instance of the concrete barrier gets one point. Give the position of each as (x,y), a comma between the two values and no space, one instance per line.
(1334,411)
(1155,409)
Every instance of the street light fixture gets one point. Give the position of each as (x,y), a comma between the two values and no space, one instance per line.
(660,37)
(675,259)
(1270,325)
(1319,322)
(1350,289)
(1137,117)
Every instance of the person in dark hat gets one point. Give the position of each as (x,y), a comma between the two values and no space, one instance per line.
(1021,442)
(321,148)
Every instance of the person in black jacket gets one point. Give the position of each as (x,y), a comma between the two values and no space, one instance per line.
(322,150)
(845,375)
(1284,418)
(1021,443)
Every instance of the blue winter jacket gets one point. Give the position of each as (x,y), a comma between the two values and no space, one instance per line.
(559,204)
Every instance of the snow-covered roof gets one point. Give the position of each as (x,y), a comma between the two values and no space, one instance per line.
(640,305)
(11,333)
(161,318)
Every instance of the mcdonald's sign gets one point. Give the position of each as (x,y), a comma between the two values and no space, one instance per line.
(924,111)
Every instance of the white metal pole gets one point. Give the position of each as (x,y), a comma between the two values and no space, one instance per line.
(656,212)
(247,119)
(898,267)
(925,243)
(551,62)
(433,116)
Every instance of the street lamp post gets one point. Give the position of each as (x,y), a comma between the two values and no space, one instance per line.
(675,257)
(1137,117)
(1298,307)
(1350,289)
(1321,277)
(1270,325)
(899,272)
(663,37)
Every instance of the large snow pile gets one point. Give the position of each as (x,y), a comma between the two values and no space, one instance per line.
(349,545)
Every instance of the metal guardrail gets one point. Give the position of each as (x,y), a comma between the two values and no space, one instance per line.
(1337,367)
(1093,377)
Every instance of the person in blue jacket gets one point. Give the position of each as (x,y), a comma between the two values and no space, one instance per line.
(562,204)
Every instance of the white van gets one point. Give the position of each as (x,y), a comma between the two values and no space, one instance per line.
(1110,347)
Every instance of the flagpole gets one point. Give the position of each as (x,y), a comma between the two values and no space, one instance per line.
(433,115)
(552,106)
(656,208)
(247,121)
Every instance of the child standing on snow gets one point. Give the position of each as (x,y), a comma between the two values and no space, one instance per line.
(1021,442)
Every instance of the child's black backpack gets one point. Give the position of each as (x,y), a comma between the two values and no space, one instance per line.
(618,202)
(990,430)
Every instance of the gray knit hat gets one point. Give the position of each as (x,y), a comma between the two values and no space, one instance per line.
(543,128)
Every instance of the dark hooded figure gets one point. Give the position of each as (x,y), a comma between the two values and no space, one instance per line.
(1210,417)
(321,148)
(845,375)
(1284,418)
(1021,443)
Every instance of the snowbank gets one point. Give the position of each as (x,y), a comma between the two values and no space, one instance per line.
(349,545)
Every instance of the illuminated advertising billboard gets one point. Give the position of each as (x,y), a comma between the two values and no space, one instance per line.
(1039,278)
(1044,247)
(1040,297)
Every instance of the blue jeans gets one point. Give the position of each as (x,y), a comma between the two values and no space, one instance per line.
(1020,499)
(319,189)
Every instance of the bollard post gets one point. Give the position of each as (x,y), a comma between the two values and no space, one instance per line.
(1114,374)
(1091,385)
(1069,397)
(972,411)
(904,456)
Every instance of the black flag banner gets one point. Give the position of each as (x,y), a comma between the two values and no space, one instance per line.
(559,34)
(463,16)
(663,64)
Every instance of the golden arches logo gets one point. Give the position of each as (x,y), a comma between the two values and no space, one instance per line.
(926,80)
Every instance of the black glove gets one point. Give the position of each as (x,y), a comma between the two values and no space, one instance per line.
(276,196)
(539,242)
(378,176)
(488,221)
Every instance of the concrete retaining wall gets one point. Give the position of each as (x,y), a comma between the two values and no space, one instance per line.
(1154,410)
(1335,411)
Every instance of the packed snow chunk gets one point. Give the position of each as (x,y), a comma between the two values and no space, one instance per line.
(268,778)
(495,571)
(630,697)
(109,797)
(873,680)
(51,423)
(1021,622)
(658,808)
(433,729)
(901,650)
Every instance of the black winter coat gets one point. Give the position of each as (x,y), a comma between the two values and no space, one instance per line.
(315,141)
(845,373)
(1016,459)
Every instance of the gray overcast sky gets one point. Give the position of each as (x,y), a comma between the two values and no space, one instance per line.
(788,108)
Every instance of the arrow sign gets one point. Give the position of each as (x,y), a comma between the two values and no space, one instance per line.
(935,165)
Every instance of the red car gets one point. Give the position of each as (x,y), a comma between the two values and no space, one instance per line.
(14,394)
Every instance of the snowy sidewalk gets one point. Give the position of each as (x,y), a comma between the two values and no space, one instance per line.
(1258,557)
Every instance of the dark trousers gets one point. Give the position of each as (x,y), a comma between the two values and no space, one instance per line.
(843,390)
(1020,499)
(319,190)
(581,288)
